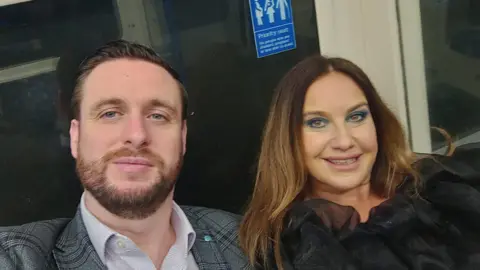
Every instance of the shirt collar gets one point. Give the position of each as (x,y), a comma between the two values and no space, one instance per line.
(99,233)
(183,229)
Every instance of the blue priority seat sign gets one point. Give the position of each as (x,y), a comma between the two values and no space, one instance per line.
(273,28)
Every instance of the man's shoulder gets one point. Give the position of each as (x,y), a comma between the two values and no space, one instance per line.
(32,242)
(222,226)
(40,233)
(215,219)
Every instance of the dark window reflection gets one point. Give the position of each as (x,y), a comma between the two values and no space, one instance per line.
(37,172)
(210,44)
(451,41)
(230,92)
(36,168)
(42,28)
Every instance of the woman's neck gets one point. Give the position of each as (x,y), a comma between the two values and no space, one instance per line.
(361,198)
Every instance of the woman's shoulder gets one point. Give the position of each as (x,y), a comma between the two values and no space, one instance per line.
(464,163)
(452,183)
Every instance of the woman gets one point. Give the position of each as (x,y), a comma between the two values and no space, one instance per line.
(336,187)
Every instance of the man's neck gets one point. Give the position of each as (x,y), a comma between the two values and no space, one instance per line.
(154,235)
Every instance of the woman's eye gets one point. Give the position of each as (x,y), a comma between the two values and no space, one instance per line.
(316,123)
(358,116)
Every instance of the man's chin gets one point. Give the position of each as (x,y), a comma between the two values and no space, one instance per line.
(115,175)
(131,194)
(131,200)
(128,185)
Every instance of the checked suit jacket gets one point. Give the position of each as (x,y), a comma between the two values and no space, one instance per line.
(65,244)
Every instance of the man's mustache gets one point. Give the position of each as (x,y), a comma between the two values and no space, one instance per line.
(146,153)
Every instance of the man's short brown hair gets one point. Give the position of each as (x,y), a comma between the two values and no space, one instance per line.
(121,49)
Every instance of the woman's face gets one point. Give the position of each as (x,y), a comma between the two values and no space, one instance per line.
(339,136)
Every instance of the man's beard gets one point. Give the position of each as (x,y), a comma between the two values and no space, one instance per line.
(138,203)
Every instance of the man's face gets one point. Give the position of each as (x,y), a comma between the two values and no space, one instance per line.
(129,140)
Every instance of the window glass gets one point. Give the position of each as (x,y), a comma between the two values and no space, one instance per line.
(451,41)
(210,43)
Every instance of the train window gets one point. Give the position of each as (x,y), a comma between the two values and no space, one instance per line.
(40,29)
(212,46)
(210,43)
(36,168)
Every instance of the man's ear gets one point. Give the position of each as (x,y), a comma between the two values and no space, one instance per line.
(184,136)
(74,130)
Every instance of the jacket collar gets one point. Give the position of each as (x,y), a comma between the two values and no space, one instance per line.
(74,248)
(206,249)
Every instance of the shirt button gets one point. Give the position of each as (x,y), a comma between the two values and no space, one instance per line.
(120,244)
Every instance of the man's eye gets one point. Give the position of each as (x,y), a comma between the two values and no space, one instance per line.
(157,116)
(110,114)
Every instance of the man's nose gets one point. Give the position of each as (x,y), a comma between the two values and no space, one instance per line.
(136,131)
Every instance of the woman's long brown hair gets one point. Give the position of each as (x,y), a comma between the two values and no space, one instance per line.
(281,175)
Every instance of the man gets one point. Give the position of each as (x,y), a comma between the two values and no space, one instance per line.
(128,137)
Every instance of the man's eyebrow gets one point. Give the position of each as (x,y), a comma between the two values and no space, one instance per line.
(107,102)
(163,104)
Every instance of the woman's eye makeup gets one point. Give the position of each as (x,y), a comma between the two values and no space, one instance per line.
(357,116)
(316,122)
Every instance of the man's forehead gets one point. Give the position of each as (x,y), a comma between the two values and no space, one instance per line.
(120,71)
(130,80)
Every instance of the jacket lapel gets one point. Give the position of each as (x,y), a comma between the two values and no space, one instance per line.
(74,250)
(206,249)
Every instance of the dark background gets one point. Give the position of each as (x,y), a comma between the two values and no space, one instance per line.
(210,42)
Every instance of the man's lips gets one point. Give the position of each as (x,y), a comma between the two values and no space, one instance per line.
(133,161)
(132,164)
